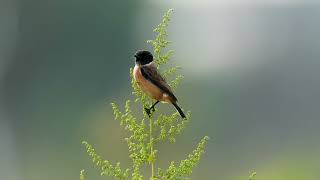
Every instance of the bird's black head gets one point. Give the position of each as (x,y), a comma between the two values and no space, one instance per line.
(143,57)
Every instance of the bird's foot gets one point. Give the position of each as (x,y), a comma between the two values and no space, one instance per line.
(149,110)
(152,108)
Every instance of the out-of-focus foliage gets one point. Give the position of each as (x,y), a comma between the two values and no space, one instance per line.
(253,176)
(82,176)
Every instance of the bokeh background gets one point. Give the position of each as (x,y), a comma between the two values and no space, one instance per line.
(252,82)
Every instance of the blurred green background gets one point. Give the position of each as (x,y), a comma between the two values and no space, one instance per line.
(252,82)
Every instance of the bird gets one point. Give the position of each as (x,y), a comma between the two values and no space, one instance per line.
(151,82)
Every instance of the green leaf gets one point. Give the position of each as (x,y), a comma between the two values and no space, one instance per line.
(104,165)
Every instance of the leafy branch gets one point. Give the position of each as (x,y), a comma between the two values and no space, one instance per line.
(147,132)
(252,176)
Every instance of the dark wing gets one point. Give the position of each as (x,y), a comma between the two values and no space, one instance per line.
(151,74)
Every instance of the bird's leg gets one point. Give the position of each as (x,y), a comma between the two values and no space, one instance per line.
(152,107)
(148,110)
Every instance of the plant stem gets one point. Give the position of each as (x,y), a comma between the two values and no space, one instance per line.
(151,149)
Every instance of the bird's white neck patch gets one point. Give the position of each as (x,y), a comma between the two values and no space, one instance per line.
(149,64)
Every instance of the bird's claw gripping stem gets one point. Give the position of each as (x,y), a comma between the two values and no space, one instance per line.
(149,110)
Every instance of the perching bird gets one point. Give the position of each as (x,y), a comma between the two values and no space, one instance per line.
(151,82)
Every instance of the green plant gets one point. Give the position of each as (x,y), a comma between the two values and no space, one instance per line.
(252,176)
(146,135)
(82,175)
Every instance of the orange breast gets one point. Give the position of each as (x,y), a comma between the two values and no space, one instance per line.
(149,88)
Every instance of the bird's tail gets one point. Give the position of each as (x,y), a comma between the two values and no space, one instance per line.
(179,110)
